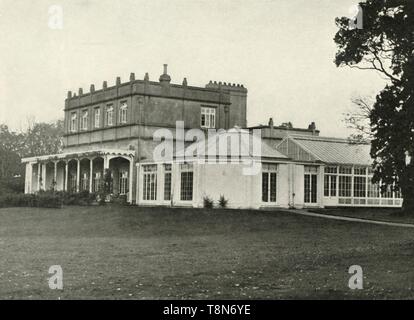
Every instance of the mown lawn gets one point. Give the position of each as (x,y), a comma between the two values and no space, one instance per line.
(146,253)
(380,214)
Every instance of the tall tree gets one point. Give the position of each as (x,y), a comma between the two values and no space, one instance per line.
(385,44)
(358,120)
(10,145)
(43,138)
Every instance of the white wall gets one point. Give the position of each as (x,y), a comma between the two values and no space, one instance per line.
(298,187)
(224,179)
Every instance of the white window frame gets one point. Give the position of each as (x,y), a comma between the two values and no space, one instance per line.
(97,117)
(186,168)
(270,170)
(167,196)
(110,115)
(123,182)
(123,112)
(330,178)
(312,173)
(84,120)
(96,184)
(73,121)
(149,182)
(84,181)
(209,114)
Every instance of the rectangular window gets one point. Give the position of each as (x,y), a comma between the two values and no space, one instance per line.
(84,181)
(96,183)
(386,191)
(310,184)
(72,183)
(208,117)
(186,193)
(345,170)
(330,185)
(345,186)
(269,182)
(330,181)
(360,171)
(150,182)
(109,115)
(310,187)
(97,118)
(167,182)
(123,182)
(359,187)
(373,189)
(73,122)
(123,111)
(331,170)
(84,120)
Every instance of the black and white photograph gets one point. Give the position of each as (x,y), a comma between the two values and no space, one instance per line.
(206,150)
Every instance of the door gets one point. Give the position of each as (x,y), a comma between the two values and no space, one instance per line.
(311,185)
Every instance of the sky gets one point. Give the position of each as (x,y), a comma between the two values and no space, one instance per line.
(282,51)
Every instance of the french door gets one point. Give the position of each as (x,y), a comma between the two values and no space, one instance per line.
(311,184)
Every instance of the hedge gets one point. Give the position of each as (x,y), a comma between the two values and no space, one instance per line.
(46,199)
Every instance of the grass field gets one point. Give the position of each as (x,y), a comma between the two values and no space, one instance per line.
(160,253)
(380,214)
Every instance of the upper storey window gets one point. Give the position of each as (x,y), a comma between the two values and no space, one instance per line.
(97,117)
(84,120)
(123,112)
(73,122)
(109,115)
(208,117)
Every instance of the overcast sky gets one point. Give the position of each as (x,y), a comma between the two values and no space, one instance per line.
(281,50)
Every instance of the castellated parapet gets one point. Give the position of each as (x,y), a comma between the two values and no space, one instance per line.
(213,92)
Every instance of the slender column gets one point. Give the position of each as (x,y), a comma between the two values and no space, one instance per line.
(66,175)
(137,188)
(30,188)
(38,175)
(106,163)
(28,180)
(44,167)
(55,175)
(78,175)
(131,176)
(90,174)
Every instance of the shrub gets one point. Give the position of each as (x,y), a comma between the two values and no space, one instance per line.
(43,199)
(12,185)
(208,202)
(223,202)
(83,198)
(48,200)
(119,199)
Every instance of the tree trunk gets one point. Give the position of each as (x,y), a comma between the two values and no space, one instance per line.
(407,190)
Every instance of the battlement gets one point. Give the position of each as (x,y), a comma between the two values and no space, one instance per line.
(226,86)
(162,88)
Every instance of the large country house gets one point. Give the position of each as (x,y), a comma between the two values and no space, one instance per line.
(114,129)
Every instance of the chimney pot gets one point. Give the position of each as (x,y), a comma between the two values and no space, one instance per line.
(69,94)
(92,89)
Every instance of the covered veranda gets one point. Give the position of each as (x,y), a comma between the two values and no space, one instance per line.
(81,171)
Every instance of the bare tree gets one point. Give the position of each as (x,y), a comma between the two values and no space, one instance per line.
(358,119)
